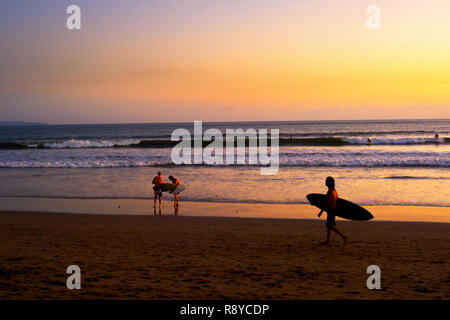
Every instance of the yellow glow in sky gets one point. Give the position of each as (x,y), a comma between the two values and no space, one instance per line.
(257,60)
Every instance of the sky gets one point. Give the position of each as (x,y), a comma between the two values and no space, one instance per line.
(222,60)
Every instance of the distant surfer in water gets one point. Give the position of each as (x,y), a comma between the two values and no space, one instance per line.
(436,137)
(175,182)
(330,208)
(157,188)
(369,141)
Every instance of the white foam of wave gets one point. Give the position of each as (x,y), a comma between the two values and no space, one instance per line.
(406,140)
(289,157)
(89,144)
(80,164)
(73,143)
(287,162)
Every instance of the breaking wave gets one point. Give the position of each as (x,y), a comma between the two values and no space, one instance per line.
(126,143)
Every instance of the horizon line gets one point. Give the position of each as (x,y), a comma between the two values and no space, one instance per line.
(229,121)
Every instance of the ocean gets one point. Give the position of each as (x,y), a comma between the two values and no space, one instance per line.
(403,165)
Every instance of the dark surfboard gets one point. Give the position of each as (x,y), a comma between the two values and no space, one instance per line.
(167,187)
(344,208)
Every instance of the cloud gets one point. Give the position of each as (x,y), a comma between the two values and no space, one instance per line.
(80,78)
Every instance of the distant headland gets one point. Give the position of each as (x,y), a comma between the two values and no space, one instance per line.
(22,123)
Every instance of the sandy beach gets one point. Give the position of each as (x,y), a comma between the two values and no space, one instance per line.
(171,151)
(168,257)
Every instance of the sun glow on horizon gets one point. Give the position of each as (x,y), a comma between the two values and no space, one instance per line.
(252,60)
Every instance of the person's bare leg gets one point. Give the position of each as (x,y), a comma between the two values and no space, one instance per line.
(339,232)
(154,204)
(175,203)
(327,242)
(160,205)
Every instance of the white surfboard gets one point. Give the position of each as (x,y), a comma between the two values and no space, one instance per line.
(179,188)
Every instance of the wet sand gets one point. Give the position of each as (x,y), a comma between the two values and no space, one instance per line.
(213,209)
(168,257)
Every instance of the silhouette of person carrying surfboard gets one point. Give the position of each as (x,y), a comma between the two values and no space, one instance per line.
(176,183)
(330,208)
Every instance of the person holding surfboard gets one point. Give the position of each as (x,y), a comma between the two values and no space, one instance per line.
(158,183)
(330,208)
(176,183)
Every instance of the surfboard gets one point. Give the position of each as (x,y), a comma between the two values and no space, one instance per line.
(169,187)
(179,188)
(344,208)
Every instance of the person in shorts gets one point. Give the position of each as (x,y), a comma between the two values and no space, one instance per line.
(157,182)
(330,208)
(176,183)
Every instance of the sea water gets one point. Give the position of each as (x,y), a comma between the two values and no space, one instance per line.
(403,165)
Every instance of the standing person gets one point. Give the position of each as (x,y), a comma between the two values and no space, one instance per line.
(176,183)
(369,141)
(158,182)
(436,137)
(330,208)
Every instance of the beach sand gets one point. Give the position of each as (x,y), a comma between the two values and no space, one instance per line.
(168,257)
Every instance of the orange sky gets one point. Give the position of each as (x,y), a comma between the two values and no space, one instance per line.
(141,61)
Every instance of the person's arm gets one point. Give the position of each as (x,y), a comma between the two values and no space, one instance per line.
(327,206)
